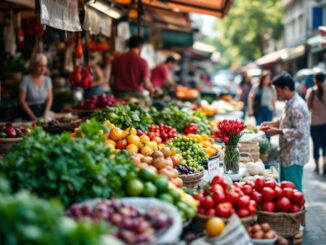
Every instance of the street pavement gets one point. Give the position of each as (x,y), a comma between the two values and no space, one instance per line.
(314,189)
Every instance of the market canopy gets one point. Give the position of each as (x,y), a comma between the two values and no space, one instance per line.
(218,8)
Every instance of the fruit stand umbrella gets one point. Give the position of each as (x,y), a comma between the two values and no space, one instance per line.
(218,8)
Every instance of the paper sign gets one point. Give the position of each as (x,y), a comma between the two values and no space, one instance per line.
(214,167)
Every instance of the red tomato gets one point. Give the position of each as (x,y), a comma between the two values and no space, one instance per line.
(251,183)
(297,198)
(287,184)
(288,193)
(224,184)
(216,187)
(223,210)
(284,204)
(252,207)
(295,208)
(237,184)
(219,196)
(243,212)
(199,197)
(210,212)
(268,194)
(232,197)
(278,192)
(208,202)
(269,207)
(243,202)
(259,184)
(257,197)
(247,190)
(121,144)
(271,184)
(201,210)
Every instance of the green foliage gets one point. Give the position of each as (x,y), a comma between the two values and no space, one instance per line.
(26,219)
(71,170)
(264,147)
(179,118)
(125,116)
(246,28)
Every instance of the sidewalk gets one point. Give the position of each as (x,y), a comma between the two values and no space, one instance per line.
(314,188)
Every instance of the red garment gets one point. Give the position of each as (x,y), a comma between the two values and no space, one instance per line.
(159,74)
(129,71)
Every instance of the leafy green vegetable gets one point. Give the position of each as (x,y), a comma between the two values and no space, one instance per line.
(124,116)
(179,118)
(26,219)
(71,170)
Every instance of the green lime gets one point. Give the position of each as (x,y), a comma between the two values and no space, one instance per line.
(150,190)
(131,175)
(175,193)
(182,206)
(190,212)
(183,216)
(161,183)
(147,174)
(134,187)
(166,197)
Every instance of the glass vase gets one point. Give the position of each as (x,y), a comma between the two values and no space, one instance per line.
(231,159)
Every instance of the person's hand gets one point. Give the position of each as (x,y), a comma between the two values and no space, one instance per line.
(271,131)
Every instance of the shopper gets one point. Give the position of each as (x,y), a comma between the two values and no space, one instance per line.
(130,73)
(316,100)
(293,130)
(98,78)
(35,93)
(261,100)
(244,90)
(162,74)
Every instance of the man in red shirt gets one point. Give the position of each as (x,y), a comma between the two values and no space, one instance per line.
(161,73)
(130,72)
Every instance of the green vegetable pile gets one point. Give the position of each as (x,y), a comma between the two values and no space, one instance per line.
(192,153)
(72,170)
(26,219)
(125,116)
(179,118)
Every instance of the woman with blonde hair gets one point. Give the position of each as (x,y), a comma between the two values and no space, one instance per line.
(262,99)
(35,91)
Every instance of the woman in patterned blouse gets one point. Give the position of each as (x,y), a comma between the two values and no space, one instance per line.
(293,128)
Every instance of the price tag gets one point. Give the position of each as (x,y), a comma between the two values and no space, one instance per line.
(214,167)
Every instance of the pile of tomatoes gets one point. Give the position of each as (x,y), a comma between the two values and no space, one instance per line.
(274,197)
(222,199)
(165,132)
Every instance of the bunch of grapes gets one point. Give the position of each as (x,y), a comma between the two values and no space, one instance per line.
(184,169)
(192,153)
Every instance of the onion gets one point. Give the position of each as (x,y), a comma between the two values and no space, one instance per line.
(157,154)
(166,151)
(265,227)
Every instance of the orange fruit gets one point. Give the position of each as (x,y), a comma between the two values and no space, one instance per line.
(214,226)
(132,148)
(110,143)
(116,134)
(131,131)
(147,151)
(204,137)
(133,139)
(144,138)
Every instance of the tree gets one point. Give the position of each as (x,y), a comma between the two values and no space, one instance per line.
(246,29)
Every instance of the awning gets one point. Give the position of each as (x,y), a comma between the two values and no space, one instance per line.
(314,41)
(218,8)
(272,57)
(296,52)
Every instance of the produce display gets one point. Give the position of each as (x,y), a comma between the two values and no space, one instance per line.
(207,143)
(99,101)
(263,231)
(161,162)
(222,199)
(192,153)
(11,131)
(127,116)
(26,219)
(59,125)
(164,132)
(72,169)
(133,226)
(148,184)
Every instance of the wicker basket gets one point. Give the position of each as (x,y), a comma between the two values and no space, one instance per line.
(191,180)
(201,220)
(284,224)
(81,112)
(61,128)
(7,143)
(248,148)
